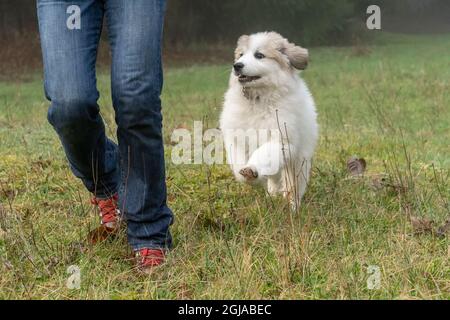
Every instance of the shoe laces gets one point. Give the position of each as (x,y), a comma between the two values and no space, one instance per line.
(108,208)
(150,257)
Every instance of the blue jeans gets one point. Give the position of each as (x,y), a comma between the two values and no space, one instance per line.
(135,167)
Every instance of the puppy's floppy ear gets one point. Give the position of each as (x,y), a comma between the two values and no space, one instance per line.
(298,56)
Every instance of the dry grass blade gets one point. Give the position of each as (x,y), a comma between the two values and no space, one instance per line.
(3,214)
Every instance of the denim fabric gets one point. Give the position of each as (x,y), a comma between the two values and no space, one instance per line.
(135,167)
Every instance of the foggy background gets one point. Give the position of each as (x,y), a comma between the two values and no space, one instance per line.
(205,30)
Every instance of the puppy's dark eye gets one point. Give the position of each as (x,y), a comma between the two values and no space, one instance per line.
(259,55)
(241,54)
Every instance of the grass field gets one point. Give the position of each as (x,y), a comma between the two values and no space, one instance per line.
(388,103)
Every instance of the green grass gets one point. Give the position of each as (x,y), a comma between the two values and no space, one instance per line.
(388,103)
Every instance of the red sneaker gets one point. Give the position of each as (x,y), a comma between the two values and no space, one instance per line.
(147,259)
(110,218)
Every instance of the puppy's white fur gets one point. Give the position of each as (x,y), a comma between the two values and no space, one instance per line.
(277,99)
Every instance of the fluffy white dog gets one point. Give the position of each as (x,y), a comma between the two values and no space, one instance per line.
(269,103)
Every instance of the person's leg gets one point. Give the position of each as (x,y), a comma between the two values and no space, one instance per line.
(69,53)
(135,31)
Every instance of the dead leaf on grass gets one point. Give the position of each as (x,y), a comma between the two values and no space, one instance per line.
(422,225)
(427,226)
(383,181)
(356,166)
(100,234)
(444,230)
(380,181)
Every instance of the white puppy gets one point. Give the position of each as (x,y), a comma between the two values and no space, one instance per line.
(268,100)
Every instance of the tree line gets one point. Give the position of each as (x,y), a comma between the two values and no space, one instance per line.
(312,22)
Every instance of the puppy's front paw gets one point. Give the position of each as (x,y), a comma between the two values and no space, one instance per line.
(250,174)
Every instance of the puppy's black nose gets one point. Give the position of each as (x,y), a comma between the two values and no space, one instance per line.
(238,66)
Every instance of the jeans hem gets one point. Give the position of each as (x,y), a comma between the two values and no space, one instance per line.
(103,196)
(150,245)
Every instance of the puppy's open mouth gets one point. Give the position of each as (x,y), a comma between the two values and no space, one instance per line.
(244,78)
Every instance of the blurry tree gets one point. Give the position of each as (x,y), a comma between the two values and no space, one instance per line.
(17,17)
(311,22)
